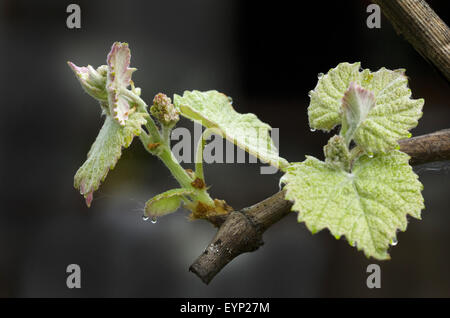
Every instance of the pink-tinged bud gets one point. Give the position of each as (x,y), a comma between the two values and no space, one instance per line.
(89,197)
(93,81)
(356,105)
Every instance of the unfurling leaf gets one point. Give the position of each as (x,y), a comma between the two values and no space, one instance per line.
(378,124)
(367,205)
(119,77)
(356,105)
(166,202)
(214,110)
(105,152)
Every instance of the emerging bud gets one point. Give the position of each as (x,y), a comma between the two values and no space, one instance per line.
(93,81)
(336,153)
(164,110)
(357,102)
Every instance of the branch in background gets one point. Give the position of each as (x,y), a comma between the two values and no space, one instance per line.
(422,27)
(427,148)
(242,231)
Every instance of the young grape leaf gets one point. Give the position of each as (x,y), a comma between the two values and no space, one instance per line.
(381,99)
(214,110)
(367,205)
(394,114)
(105,152)
(166,202)
(119,77)
(324,110)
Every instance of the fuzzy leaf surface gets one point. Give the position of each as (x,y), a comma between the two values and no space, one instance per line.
(367,206)
(105,152)
(214,110)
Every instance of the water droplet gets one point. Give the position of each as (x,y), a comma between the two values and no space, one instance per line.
(154,220)
(320,75)
(145,218)
(213,248)
(313,129)
(394,241)
(370,155)
(310,93)
(230,100)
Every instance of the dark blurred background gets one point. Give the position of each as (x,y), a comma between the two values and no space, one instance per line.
(266,55)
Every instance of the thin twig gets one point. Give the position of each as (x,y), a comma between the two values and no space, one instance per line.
(241,231)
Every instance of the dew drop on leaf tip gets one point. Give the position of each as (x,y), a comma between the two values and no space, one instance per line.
(394,241)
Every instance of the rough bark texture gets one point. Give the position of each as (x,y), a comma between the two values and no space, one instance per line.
(241,231)
(428,148)
(422,27)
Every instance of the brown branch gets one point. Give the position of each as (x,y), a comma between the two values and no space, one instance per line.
(422,27)
(242,231)
(427,148)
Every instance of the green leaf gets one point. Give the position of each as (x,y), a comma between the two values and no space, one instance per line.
(105,152)
(324,110)
(367,205)
(166,202)
(378,127)
(394,114)
(214,110)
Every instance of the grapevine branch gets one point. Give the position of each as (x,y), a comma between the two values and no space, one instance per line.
(422,27)
(241,231)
